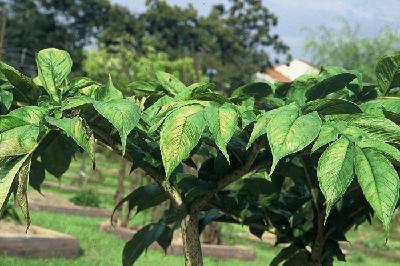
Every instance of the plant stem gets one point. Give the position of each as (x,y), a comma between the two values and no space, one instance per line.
(191,241)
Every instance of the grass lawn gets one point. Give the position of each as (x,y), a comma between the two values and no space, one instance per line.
(99,248)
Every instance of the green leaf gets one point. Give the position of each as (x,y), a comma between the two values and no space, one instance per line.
(289,132)
(170,83)
(144,86)
(30,114)
(331,106)
(388,150)
(54,161)
(180,133)
(81,85)
(255,89)
(388,72)
(76,101)
(9,168)
(335,171)
(260,126)
(36,175)
(377,127)
(379,182)
(25,89)
(298,88)
(107,92)
(222,120)
(143,198)
(6,99)
(122,114)
(377,106)
(21,194)
(140,241)
(77,130)
(53,68)
(19,140)
(330,83)
(327,134)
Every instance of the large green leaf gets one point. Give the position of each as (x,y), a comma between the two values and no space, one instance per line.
(222,120)
(379,182)
(336,171)
(9,168)
(123,114)
(140,241)
(388,150)
(388,72)
(170,83)
(377,106)
(331,106)
(377,127)
(327,134)
(289,132)
(180,133)
(107,92)
(54,161)
(18,140)
(25,89)
(53,68)
(77,130)
(30,114)
(329,84)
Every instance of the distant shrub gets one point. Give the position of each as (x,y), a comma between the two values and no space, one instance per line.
(87,198)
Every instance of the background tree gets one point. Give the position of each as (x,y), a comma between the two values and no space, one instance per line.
(125,65)
(344,46)
(70,25)
(235,40)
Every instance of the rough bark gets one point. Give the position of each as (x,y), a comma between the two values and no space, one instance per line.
(191,241)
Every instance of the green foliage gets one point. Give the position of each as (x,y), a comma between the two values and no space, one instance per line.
(387,72)
(87,198)
(336,170)
(344,46)
(180,133)
(53,67)
(332,153)
(288,131)
(122,114)
(125,65)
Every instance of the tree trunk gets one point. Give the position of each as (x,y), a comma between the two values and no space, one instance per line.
(120,189)
(132,187)
(191,241)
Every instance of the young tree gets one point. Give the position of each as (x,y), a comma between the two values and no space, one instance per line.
(307,160)
(344,46)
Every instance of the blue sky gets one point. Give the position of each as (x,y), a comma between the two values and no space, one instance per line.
(294,16)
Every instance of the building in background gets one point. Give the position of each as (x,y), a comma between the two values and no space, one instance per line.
(287,72)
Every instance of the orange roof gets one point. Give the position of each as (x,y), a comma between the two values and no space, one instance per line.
(277,75)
